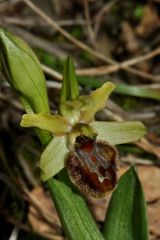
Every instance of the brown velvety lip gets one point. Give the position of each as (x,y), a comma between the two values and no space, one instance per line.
(92,166)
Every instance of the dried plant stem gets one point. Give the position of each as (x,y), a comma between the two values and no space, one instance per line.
(106,8)
(69,37)
(109,69)
(83,46)
(89,25)
(42,210)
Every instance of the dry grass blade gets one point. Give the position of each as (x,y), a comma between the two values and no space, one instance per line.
(110,69)
(81,45)
(44,213)
(89,25)
(69,37)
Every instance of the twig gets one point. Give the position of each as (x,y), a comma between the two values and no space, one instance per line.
(42,210)
(11,102)
(14,233)
(34,22)
(8,5)
(37,42)
(26,228)
(106,8)
(110,69)
(83,46)
(69,37)
(52,72)
(89,26)
(134,160)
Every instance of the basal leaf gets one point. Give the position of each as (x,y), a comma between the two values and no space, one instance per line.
(119,132)
(126,215)
(125,89)
(138,91)
(76,219)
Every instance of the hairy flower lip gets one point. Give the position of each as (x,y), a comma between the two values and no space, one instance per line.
(92,166)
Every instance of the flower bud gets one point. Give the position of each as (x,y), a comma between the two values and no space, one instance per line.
(22,69)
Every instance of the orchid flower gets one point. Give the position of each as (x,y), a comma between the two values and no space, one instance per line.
(81,144)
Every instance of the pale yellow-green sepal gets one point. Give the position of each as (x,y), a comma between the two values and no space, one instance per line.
(119,132)
(53,158)
(55,124)
(97,101)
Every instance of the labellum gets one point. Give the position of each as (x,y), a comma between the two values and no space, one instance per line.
(92,166)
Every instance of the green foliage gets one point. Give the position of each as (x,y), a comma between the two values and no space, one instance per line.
(70,90)
(75,217)
(23,71)
(125,89)
(139,91)
(126,216)
(139,12)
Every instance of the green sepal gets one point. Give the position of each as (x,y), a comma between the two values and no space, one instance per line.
(53,157)
(119,132)
(55,124)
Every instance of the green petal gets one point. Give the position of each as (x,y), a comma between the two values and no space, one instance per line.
(71,110)
(97,101)
(53,158)
(52,123)
(119,132)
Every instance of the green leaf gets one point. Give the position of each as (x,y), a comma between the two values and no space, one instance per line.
(126,215)
(23,71)
(53,157)
(25,75)
(76,219)
(138,91)
(98,100)
(119,132)
(70,89)
(55,124)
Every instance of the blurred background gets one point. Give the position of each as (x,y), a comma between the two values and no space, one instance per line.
(117,41)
